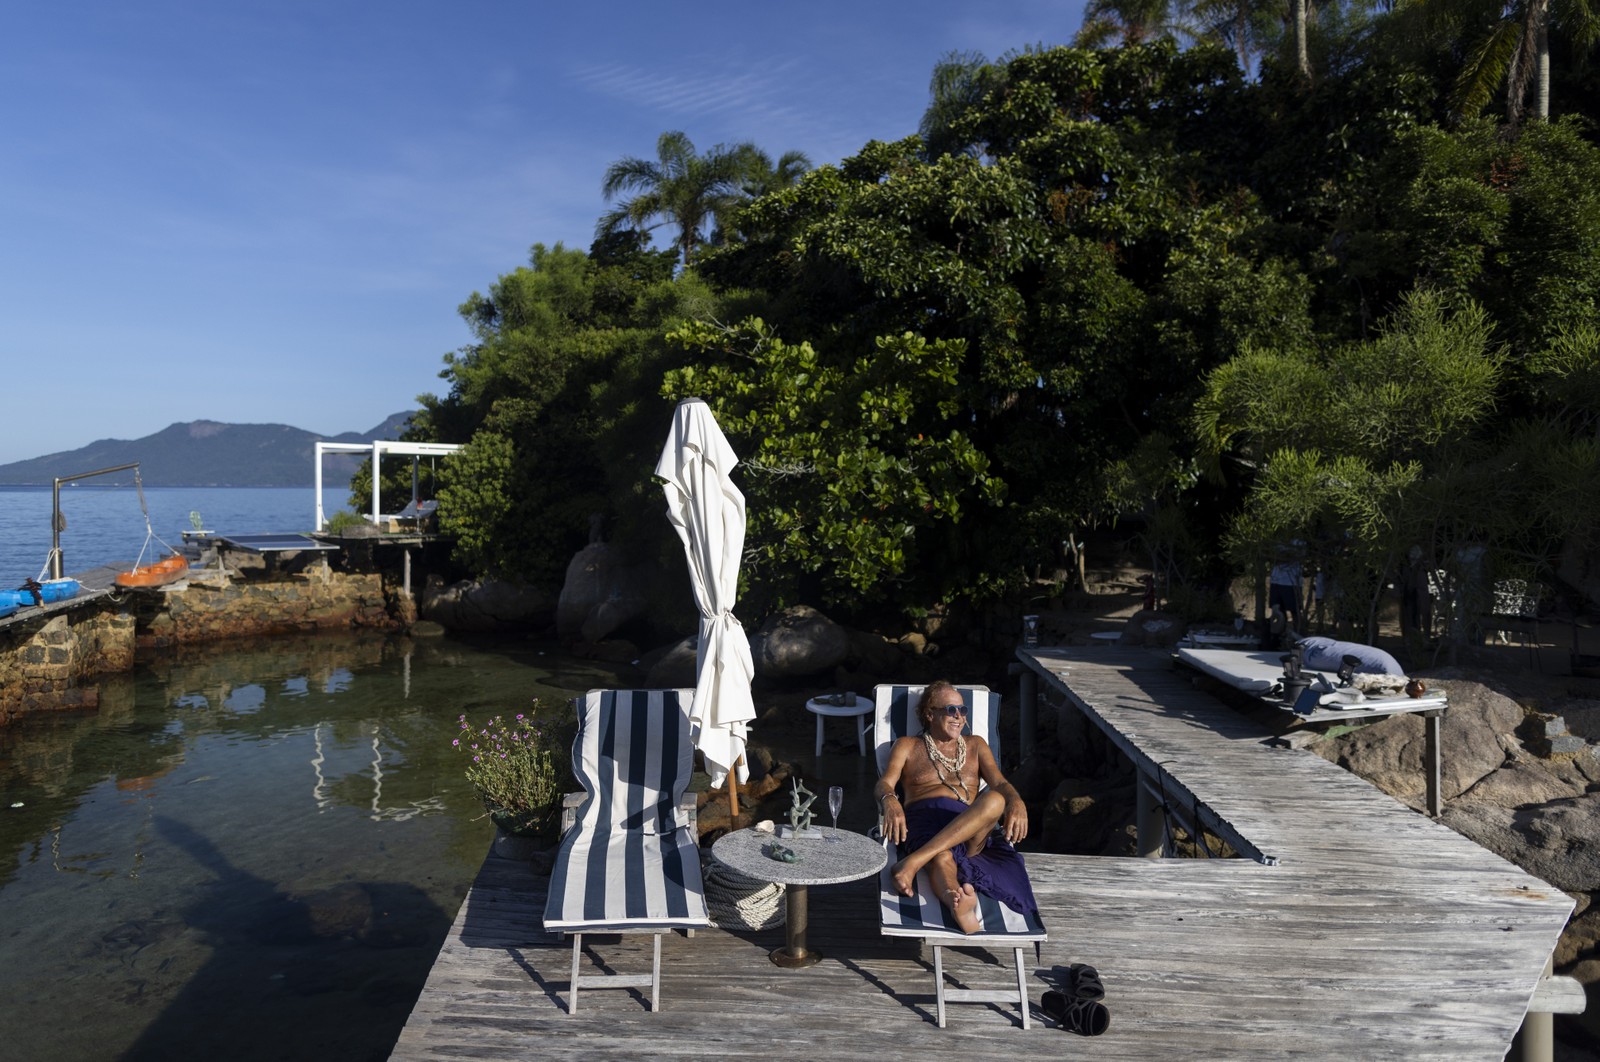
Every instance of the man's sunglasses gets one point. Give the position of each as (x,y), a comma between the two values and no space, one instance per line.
(954,710)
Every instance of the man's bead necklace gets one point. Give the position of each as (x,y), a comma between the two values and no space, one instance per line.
(942,763)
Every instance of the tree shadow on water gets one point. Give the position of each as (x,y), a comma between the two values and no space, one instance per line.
(329,974)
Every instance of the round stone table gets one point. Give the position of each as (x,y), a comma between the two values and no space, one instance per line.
(823,861)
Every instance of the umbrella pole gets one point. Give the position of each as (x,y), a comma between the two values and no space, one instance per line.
(733,791)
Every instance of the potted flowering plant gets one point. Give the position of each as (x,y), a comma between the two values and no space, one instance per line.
(519,769)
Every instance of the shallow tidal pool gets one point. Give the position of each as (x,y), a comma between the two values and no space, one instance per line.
(249,851)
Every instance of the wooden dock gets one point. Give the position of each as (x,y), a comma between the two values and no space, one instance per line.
(1377,934)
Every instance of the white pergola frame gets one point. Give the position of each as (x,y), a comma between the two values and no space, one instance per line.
(377,448)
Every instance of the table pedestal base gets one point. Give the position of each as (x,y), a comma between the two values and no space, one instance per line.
(794,954)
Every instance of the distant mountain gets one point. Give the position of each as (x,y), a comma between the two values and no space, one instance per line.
(205,453)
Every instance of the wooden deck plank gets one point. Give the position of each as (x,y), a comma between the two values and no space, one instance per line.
(1380,934)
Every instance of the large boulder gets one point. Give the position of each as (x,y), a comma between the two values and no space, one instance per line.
(1581,937)
(1523,782)
(1477,737)
(672,666)
(1559,841)
(484,605)
(873,653)
(601,592)
(797,642)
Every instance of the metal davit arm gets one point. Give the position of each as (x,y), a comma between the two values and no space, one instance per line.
(57,525)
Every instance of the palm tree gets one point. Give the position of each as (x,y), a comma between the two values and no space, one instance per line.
(763,177)
(1132,22)
(959,83)
(1508,42)
(694,192)
(1242,25)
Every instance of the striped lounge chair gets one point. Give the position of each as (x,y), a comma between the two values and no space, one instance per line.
(923,916)
(630,861)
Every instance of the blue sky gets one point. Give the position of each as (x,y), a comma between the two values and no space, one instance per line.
(269,212)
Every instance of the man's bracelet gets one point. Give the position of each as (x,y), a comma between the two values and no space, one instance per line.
(886,796)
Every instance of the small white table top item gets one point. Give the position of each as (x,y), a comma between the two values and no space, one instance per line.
(820,861)
(1219,639)
(858,706)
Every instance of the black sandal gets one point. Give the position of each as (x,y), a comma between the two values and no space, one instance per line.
(1083,982)
(1086,1017)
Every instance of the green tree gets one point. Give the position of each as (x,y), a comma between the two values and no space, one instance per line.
(1337,445)
(1512,224)
(1087,271)
(558,399)
(848,465)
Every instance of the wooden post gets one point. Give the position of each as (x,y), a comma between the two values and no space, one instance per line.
(1538,1033)
(1026,726)
(1432,723)
(733,793)
(1147,820)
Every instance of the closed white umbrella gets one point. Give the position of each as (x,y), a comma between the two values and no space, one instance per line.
(707,511)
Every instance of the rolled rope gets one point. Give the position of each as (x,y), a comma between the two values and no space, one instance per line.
(737,901)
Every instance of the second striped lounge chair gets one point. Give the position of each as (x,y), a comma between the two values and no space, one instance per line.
(922,915)
(630,862)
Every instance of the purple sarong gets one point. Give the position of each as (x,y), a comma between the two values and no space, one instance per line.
(997,871)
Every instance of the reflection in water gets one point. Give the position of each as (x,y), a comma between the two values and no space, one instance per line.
(171,887)
(321,798)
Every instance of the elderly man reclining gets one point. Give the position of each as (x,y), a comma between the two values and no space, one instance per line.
(946,821)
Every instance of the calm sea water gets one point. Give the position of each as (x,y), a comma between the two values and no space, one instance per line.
(107,523)
(251,852)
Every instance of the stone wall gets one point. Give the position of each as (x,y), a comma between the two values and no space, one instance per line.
(50,661)
(268,602)
(43,665)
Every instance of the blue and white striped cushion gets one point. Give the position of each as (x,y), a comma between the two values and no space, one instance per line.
(628,862)
(923,915)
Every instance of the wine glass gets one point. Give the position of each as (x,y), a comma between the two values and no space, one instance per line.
(835,802)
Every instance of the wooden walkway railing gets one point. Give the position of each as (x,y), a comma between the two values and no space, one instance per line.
(1377,934)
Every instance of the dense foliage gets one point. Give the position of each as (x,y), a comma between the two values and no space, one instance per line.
(1223,294)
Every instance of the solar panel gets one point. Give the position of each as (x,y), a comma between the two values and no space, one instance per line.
(274,542)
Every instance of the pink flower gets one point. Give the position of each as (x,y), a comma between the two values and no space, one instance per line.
(457,741)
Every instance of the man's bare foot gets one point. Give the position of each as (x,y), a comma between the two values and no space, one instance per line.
(964,905)
(904,879)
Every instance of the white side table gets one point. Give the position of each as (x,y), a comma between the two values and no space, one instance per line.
(861,706)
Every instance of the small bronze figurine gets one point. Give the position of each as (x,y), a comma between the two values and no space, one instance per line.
(800,809)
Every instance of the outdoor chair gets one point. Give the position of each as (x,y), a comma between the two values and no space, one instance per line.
(630,860)
(923,916)
(1515,612)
